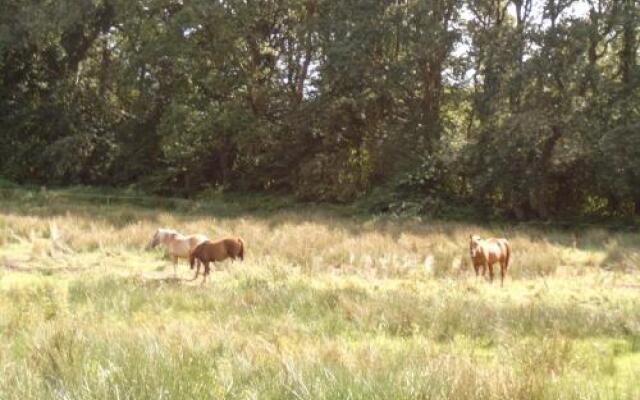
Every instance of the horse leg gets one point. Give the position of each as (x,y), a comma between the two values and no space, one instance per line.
(197,270)
(175,261)
(503,272)
(491,272)
(206,272)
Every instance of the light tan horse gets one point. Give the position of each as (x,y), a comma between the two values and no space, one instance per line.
(486,252)
(176,244)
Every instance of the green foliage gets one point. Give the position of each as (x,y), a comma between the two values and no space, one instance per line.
(519,108)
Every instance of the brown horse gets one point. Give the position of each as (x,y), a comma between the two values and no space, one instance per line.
(486,252)
(210,251)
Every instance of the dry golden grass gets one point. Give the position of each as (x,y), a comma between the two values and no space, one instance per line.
(322,307)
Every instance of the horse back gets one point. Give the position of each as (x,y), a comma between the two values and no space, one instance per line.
(234,247)
(502,248)
(219,250)
(496,248)
(195,240)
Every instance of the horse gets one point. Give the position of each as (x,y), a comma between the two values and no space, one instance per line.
(485,252)
(176,244)
(210,251)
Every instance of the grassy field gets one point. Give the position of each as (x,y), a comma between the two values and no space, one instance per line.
(323,307)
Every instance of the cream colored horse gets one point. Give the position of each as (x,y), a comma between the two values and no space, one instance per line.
(486,252)
(176,244)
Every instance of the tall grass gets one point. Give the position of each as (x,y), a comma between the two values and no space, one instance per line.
(323,307)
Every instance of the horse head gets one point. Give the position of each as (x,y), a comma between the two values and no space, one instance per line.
(474,245)
(162,235)
(154,241)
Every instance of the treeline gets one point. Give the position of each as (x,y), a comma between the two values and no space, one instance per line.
(527,108)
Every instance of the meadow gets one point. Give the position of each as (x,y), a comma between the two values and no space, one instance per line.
(324,306)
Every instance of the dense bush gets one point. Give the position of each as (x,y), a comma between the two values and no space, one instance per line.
(525,108)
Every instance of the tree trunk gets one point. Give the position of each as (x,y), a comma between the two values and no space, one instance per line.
(432,81)
(628,52)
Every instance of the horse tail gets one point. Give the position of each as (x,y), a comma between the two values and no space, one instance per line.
(508,255)
(241,251)
(192,258)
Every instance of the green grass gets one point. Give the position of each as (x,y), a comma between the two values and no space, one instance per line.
(323,307)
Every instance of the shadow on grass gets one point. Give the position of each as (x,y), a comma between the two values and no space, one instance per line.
(14,265)
(154,281)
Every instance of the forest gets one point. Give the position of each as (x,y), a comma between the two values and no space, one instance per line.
(527,109)
(376,159)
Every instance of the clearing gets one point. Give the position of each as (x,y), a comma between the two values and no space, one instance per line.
(323,307)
